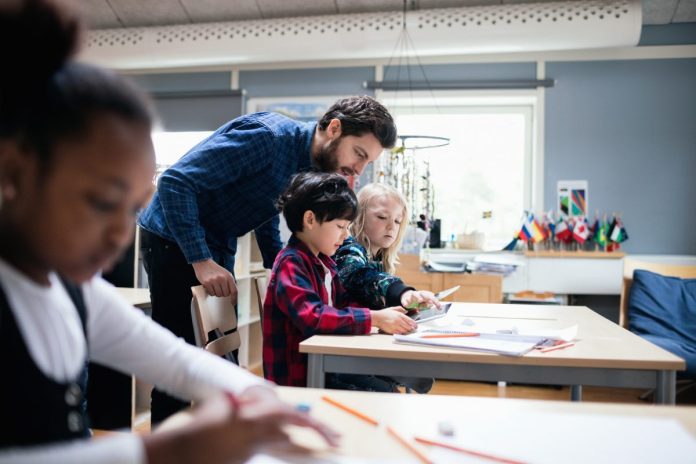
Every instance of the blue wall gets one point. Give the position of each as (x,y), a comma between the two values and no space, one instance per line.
(306,82)
(629,129)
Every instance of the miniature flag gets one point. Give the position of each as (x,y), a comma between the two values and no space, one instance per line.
(510,246)
(524,234)
(594,230)
(537,231)
(563,232)
(618,233)
(601,234)
(581,231)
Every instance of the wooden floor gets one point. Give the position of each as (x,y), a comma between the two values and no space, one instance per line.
(595,394)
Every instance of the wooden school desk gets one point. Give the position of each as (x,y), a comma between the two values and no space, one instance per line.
(498,425)
(138,297)
(605,355)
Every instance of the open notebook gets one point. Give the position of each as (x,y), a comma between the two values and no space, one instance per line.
(501,344)
(514,343)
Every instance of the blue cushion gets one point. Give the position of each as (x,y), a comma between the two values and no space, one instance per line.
(663,310)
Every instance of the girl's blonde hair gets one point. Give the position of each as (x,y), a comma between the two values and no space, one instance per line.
(365,196)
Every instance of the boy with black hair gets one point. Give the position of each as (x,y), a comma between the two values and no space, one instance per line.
(304,297)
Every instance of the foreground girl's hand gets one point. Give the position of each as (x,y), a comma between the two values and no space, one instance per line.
(393,320)
(261,403)
(226,431)
(419,299)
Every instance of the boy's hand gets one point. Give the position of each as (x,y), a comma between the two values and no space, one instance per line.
(419,299)
(393,320)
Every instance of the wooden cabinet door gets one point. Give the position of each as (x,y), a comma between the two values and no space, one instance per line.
(475,288)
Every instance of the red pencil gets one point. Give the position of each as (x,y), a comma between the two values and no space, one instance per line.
(408,446)
(490,457)
(557,347)
(350,410)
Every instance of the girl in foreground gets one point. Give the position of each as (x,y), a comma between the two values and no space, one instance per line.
(76,165)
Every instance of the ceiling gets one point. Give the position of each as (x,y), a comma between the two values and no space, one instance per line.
(107,14)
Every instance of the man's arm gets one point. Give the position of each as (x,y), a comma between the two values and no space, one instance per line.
(268,239)
(221,160)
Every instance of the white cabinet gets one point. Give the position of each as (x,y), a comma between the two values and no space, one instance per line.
(561,275)
(249,265)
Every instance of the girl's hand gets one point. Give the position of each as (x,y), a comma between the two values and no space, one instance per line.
(393,320)
(261,403)
(419,299)
(228,430)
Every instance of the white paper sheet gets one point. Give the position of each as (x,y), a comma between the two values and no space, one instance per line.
(570,438)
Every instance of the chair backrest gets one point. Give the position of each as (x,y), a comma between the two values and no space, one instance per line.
(213,314)
(630,265)
(261,285)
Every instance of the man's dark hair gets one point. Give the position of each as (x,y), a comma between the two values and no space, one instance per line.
(327,195)
(362,115)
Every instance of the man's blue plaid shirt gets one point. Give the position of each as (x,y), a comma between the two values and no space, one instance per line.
(228,184)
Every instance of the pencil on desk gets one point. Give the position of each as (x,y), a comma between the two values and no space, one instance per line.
(350,410)
(557,347)
(449,446)
(468,334)
(409,446)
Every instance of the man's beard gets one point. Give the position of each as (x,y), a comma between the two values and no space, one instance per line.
(326,159)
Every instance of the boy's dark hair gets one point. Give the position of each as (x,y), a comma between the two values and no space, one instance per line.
(362,115)
(327,195)
(44,96)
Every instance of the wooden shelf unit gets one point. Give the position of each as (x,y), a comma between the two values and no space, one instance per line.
(475,288)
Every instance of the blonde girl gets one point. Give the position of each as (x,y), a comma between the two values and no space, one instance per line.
(367,260)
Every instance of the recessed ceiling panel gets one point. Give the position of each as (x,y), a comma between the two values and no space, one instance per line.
(659,11)
(98,14)
(206,11)
(686,12)
(139,13)
(291,8)
(364,6)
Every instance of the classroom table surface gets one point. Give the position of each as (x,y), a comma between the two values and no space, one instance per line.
(522,430)
(601,346)
(138,297)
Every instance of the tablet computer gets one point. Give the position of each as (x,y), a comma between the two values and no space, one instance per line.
(430,313)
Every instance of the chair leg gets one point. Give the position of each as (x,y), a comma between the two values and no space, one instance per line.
(685,385)
(682,386)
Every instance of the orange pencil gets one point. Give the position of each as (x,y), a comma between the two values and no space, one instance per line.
(409,446)
(468,334)
(350,410)
(490,457)
(557,347)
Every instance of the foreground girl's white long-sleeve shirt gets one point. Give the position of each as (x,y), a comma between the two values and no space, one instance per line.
(120,337)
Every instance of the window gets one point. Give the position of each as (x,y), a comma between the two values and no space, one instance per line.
(170,146)
(482,180)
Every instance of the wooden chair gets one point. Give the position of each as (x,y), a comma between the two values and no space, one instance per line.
(214,315)
(261,285)
(630,265)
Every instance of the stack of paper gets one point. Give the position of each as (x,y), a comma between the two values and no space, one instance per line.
(489,338)
(511,345)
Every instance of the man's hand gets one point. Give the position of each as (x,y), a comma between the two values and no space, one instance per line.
(217,280)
